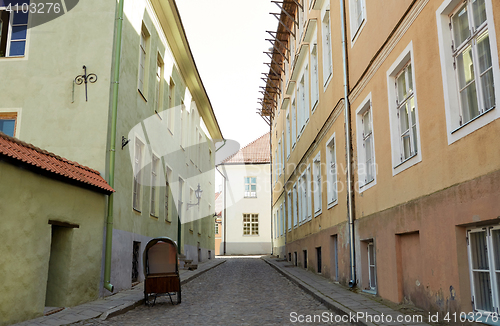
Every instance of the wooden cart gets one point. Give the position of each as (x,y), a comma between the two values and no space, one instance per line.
(161,270)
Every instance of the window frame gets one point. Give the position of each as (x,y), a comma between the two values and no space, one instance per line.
(366,105)
(356,26)
(317,181)
(10,26)
(372,276)
(326,44)
(492,270)
(250,223)
(455,131)
(154,202)
(159,82)
(250,187)
(144,49)
(137,189)
(399,163)
(289,210)
(168,194)
(331,177)
(314,71)
(9,116)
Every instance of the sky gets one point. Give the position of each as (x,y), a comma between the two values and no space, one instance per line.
(227,39)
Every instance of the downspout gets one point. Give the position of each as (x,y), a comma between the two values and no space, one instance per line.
(271,182)
(109,222)
(347,114)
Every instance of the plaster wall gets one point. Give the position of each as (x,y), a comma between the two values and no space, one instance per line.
(26,210)
(55,54)
(421,245)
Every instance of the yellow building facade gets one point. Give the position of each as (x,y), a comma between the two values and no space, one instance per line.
(420,80)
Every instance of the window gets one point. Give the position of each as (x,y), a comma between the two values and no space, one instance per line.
(294,122)
(308,192)
(327,46)
(484,267)
(331,173)
(289,210)
(403,113)
(282,221)
(472,55)
(8,123)
(357,10)
(372,279)
(288,140)
(406,113)
(250,224)
(180,205)
(168,190)
(365,144)
(13,32)
(305,258)
(250,187)
(143,61)
(317,184)
(171,105)
(216,228)
(303,100)
(314,77)
(295,205)
(155,164)
(159,85)
(466,41)
(137,188)
(283,164)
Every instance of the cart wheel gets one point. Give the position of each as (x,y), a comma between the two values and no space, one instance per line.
(146,299)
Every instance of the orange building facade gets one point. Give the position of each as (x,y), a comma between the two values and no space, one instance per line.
(384,122)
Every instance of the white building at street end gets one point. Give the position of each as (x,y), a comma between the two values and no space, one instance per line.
(248,200)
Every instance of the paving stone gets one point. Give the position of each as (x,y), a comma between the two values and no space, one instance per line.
(242,291)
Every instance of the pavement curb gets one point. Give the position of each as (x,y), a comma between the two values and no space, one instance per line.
(328,302)
(113,312)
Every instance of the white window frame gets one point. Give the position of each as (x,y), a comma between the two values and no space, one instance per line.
(280,155)
(372,277)
(331,172)
(137,175)
(142,78)
(12,114)
(309,193)
(491,270)
(326,38)
(364,184)
(168,194)
(317,185)
(450,85)
(154,202)
(282,228)
(283,164)
(159,84)
(295,204)
(10,26)
(289,210)
(288,139)
(357,19)
(314,76)
(251,224)
(399,163)
(293,107)
(302,198)
(250,193)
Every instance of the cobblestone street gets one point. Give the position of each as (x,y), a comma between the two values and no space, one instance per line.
(242,291)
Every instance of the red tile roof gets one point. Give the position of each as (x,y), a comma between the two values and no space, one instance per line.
(255,152)
(52,163)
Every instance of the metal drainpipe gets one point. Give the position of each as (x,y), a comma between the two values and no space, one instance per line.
(271,180)
(347,114)
(109,222)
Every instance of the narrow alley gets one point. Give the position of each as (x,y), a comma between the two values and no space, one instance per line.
(241,291)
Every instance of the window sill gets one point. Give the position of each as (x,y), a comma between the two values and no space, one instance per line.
(374,291)
(356,34)
(249,197)
(327,82)
(136,210)
(333,203)
(408,159)
(367,185)
(472,120)
(318,213)
(251,235)
(153,216)
(168,221)
(142,95)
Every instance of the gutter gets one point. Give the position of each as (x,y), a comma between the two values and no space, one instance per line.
(347,114)
(225,191)
(116,78)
